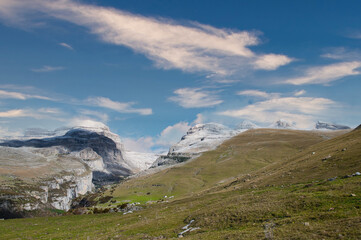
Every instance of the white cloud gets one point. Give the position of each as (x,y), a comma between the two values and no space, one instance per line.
(85,122)
(271,61)
(199,119)
(190,47)
(13,113)
(47,69)
(257,93)
(21,96)
(195,98)
(299,93)
(172,134)
(6,134)
(41,113)
(169,136)
(103,117)
(143,144)
(66,46)
(302,110)
(326,74)
(118,106)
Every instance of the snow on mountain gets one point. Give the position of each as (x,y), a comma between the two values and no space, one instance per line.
(246,125)
(141,161)
(283,124)
(330,126)
(198,139)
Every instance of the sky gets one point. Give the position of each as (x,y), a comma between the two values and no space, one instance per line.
(152,69)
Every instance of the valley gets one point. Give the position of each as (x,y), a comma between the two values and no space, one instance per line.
(262,183)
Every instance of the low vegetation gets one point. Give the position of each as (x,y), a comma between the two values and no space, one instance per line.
(262,184)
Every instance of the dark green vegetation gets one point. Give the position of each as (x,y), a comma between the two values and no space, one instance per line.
(262,184)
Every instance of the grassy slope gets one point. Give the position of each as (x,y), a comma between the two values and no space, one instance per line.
(240,155)
(306,206)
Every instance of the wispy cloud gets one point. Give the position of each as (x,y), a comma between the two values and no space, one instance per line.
(66,46)
(300,93)
(191,47)
(122,107)
(47,69)
(327,74)
(169,136)
(271,61)
(257,93)
(103,117)
(172,134)
(6,133)
(21,96)
(302,110)
(41,113)
(195,98)
(342,53)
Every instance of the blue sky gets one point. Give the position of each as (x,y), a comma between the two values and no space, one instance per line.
(151,69)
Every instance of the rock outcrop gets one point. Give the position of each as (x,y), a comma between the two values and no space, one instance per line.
(48,173)
(34,179)
(330,126)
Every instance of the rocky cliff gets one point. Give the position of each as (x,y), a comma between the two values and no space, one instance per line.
(47,173)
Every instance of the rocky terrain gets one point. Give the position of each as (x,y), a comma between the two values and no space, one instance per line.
(47,173)
(330,126)
(198,139)
(48,169)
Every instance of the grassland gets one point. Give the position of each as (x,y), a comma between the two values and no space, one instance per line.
(260,185)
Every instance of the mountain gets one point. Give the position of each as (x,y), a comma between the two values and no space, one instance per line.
(45,173)
(198,139)
(246,125)
(330,126)
(92,144)
(283,124)
(260,184)
(36,179)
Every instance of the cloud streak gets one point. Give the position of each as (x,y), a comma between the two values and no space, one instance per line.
(41,113)
(327,74)
(118,106)
(191,47)
(195,98)
(21,96)
(47,69)
(66,46)
(257,93)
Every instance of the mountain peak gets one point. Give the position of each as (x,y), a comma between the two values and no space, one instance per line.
(283,124)
(246,124)
(330,126)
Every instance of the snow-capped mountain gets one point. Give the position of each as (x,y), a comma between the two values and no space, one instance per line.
(198,139)
(283,124)
(330,126)
(94,144)
(246,125)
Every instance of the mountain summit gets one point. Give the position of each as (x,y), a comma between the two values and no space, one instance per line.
(330,126)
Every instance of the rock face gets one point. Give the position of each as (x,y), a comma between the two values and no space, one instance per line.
(100,150)
(33,179)
(200,138)
(330,126)
(48,173)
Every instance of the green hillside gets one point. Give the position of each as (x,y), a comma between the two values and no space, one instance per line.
(262,184)
(241,155)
